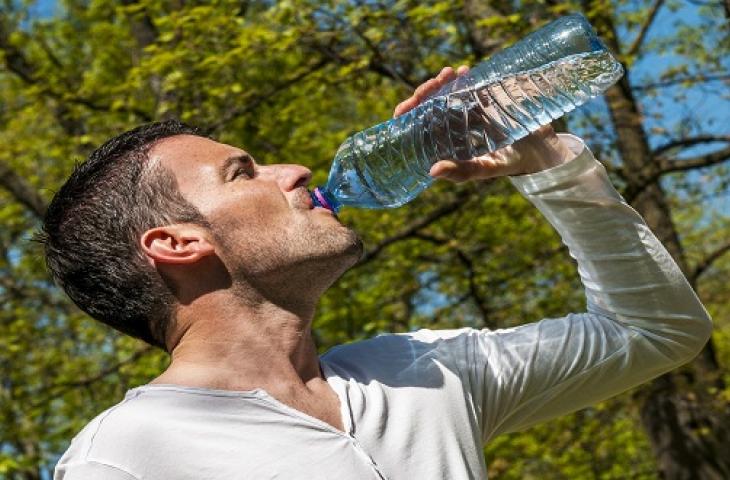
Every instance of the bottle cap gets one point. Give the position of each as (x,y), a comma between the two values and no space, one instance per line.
(320,199)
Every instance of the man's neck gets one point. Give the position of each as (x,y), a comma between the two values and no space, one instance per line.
(240,347)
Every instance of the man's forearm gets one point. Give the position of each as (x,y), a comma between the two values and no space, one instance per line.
(542,150)
(643,318)
(624,268)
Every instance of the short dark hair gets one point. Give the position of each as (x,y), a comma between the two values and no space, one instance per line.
(92,228)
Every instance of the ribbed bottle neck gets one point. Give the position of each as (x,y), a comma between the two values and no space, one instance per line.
(323,198)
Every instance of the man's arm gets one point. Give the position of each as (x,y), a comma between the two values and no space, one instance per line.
(642,320)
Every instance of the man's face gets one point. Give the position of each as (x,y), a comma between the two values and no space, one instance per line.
(263,221)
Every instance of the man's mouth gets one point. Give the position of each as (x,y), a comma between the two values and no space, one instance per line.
(309,200)
(302,200)
(319,200)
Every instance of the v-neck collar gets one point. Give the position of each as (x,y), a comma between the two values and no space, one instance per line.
(340,386)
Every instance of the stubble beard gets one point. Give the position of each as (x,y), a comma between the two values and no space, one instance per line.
(334,248)
(304,256)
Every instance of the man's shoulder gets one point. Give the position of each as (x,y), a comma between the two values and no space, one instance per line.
(132,433)
(147,412)
(91,443)
(122,419)
(392,341)
(393,353)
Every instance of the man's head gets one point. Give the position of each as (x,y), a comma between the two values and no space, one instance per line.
(129,229)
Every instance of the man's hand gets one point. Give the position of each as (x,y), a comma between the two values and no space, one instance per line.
(540,150)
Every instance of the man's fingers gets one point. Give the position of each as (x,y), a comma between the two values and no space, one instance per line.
(404,106)
(445,75)
(443,169)
(430,86)
(427,87)
(456,171)
(460,171)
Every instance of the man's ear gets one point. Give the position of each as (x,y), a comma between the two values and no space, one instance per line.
(176,244)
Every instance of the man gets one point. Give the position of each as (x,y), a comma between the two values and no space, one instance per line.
(191,245)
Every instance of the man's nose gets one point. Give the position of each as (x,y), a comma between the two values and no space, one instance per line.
(290,176)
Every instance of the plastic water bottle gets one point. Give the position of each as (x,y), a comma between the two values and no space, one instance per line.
(538,79)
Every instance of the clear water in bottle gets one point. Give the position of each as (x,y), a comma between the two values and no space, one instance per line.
(387,165)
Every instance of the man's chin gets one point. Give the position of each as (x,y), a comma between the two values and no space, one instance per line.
(348,243)
(357,248)
(341,242)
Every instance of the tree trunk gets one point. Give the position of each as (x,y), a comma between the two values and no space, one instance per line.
(687,430)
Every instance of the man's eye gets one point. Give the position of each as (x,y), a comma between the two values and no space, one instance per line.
(241,173)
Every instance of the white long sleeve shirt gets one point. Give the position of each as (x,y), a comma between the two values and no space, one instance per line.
(421,405)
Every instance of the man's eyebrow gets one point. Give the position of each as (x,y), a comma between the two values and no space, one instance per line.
(234,161)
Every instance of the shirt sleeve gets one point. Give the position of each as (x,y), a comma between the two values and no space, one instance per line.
(643,318)
(91,470)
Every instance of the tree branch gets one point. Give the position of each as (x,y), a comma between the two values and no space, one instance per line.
(480,302)
(707,262)
(414,227)
(56,389)
(479,39)
(378,63)
(468,263)
(21,190)
(639,40)
(663,165)
(95,105)
(142,26)
(692,79)
(689,142)
(14,59)
(260,99)
(17,63)
(114,368)
(682,164)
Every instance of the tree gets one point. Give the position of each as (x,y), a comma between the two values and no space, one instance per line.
(288,80)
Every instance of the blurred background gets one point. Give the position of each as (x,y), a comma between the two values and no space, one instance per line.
(288,81)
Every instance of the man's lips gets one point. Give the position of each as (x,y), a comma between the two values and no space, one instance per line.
(319,199)
(303,200)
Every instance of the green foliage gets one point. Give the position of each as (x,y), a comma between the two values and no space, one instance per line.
(580,445)
(288,81)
